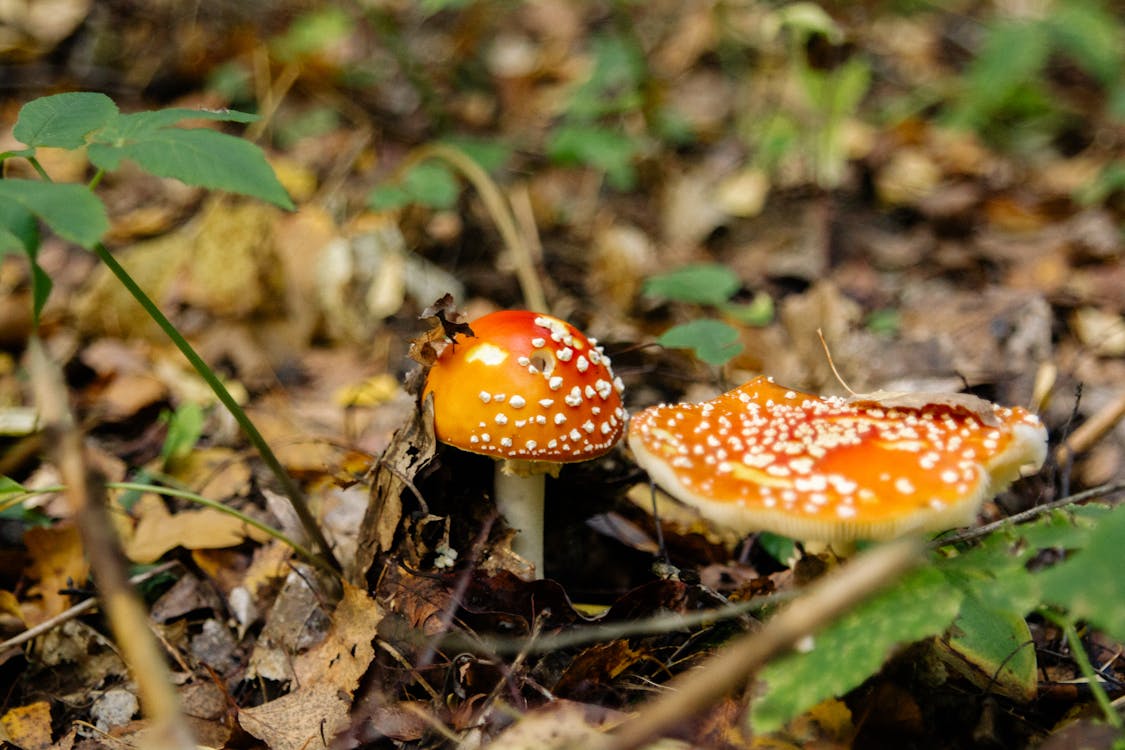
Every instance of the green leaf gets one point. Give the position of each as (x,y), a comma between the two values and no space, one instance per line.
(700,283)
(185,426)
(206,158)
(1089,584)
(388,197)
(71,211)
(432,184)
(854,647)
(607,150)
(489,154)
(19,231)
(63,120)
(1012,56)
(1091,36)
(992,648)
(313,32)
(758,312)
(713,341)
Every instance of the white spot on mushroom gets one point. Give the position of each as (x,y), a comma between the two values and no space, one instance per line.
(538,342)
(555,383)
(488,354)
(575,435)
(517,402)
(546,403)
(903,485)
(582,364)
(485,397)
(501,419)
(506,442)
(589,426)
(560,417)
(574,398)
(530,445)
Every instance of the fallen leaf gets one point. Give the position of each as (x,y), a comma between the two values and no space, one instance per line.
(327,676)
(158,531)
(28,727)
(57,562)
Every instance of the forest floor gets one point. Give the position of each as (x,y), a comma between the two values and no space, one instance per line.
(939,192)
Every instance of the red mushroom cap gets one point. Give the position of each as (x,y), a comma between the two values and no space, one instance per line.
(526,386)
(764,457)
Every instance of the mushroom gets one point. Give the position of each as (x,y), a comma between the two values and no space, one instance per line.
(533,392)
(835,470)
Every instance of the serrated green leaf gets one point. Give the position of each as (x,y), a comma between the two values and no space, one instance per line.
(713,341)
(700,283)
(1089,584)
(432,184)
(206,158)
(137,125)
(854,647)
(63,120)
(71,211)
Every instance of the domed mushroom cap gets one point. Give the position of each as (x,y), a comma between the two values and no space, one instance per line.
(526,386)
(764,457)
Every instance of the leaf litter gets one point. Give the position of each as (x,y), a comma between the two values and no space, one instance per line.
(990,273)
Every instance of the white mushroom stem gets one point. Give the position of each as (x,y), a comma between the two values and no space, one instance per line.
(519,488)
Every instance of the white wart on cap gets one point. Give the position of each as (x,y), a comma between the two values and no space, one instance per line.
(767,458)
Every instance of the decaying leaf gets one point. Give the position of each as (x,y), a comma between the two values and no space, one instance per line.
(28,727)
(412,447)
(326,676)
(58,564)
(158,531)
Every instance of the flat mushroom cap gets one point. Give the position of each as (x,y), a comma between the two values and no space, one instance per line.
(528,387)
(763,457)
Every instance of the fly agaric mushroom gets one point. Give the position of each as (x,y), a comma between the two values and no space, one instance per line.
(533,392)
(834,470)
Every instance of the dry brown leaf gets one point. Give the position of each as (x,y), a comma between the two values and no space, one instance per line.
(158,531)
(56,562)
(327,676)
(561,724)
(28,727)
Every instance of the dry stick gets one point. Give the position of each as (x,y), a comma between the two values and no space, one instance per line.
(500,211)
(822,602)
(77,610)
(1092,430)
(85,493)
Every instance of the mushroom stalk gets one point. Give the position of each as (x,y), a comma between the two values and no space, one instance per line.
(519,498)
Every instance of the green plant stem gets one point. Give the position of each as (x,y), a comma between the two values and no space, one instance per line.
(289,487)
(39,168)
(96,179)
(1082,659)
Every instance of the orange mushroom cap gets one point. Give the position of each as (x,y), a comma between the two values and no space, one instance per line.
(526,386)
(764,457)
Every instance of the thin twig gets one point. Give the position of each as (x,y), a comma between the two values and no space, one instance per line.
(1102,491)
(1092,430)
(78,609)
